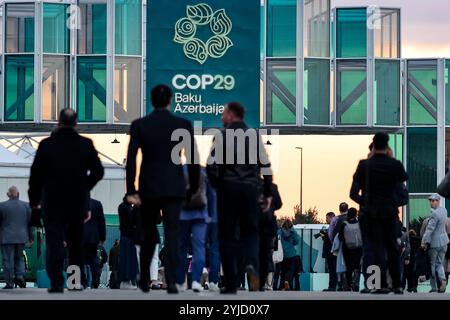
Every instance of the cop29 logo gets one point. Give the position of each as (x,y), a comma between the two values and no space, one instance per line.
(203,15)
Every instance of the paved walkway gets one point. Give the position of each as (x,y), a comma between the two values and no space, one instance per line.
(107,294)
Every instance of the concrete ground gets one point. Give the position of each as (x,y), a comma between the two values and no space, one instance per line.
(108,294)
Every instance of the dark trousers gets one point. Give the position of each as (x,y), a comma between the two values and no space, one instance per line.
(288,272)
(56,233)
(332,275)
(352,258)
(238,228)
(382,234)
(13,262)
(151,209)
(266,245)
(128,262)
(410,275)
(276,277)
(214,257)
(367,250)
(91,260)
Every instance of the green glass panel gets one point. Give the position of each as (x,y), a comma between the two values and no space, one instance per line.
(396,145)
(447,91)
(422,159)
(91,89)
(418,209)
(281,91)
(55,32)
(92,34)
(281,28)
(422,92)
(19,27)
(387,92)
(281,112)
(19,88)
(447,206)
(316,79)
(128,27)
(447,150)
(351,92)
(351,33)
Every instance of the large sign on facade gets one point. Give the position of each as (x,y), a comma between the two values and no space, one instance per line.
(208,52)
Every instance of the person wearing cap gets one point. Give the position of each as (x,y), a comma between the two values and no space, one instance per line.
(435,239)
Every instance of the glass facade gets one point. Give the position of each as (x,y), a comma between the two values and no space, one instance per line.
(447,150)
(317,28)
(281,92)
(422,92)
(418,209)
(55,86)
(56,35)
(19,27)
(447,91)
(422,159)
(396,145)
(351,92)
(64,64)
(281,28)
(1,29)
(127,89)
(92,32)
(316,78)
(128,26)
(351,33)
(387,93)
(91,89)
(19,88)
(386,33)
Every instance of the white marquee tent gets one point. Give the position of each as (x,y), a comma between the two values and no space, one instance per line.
(16,157)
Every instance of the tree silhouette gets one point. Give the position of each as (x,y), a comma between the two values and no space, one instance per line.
(311,216)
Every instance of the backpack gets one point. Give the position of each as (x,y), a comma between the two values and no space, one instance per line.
(352,235)
(199,199)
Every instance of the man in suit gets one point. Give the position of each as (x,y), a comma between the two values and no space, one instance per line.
(15,233)
(237,178)
(377,178)
(435,239)
(94,236)
(65,169)
(162,186)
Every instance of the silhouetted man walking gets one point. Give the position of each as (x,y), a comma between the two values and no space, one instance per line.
(237,178)
(162,186)
(377,178)
(65,169)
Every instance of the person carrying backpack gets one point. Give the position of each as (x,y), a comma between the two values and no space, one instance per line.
(350,235)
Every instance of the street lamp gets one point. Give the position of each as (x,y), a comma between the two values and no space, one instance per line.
(301,177)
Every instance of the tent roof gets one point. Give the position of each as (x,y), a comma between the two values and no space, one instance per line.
(7,156)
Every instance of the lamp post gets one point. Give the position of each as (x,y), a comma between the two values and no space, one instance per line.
(301,177)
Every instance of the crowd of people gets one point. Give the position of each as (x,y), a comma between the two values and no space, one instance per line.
(218,220)
(358,240)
